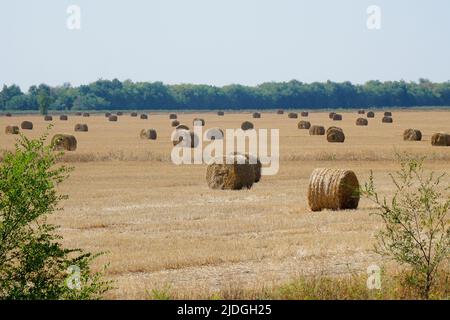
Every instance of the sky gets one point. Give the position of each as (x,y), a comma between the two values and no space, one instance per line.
(220,42)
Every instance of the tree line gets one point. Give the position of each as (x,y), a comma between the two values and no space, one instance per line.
(118,95)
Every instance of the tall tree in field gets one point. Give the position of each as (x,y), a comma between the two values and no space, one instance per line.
(43,98)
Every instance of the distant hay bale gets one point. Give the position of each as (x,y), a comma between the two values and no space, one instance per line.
(337,117)
(304,113)
(292,115)
(86,114)
(256,115)
(120,113)
(247,125)
(11,130)
(182,127)
(362,122)
(26,125)
(316,131)
(175,123)
(143,116)
(361,111)
(148,134)
(133,114)
(387,120)
(214,134)
(48,118)
(334,189)
(78,113)
(234,173)
(186,139)
(412,135)
(173,116)
(388,114)
(331,115)
(440,139)
(64,142)
(335,134)
(8,115)
(112,118)
(280,111)
(63,117)
(198,122)
(304,125)
(370,114)
(81,127)
(220,113)
(107,114)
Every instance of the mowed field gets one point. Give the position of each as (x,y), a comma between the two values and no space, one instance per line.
(161,226)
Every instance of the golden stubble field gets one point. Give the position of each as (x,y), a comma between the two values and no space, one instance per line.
(161,226)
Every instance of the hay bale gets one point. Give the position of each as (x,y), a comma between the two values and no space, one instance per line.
(133,114)
(237,174)
(173,116)
(254,162)
(361,111)
(148,134)
(370,114)
(143,116)
(387,120)
(8,115)
(64,142)
(337,117)
(107,114)
(304,114)
(220,113)
(186,139)
(120,113)
(11,130)
(316,131)
(304,125)
(440,139)
(86,114)
(198,122)
(27,125)
(256,115)
(335,134)
(292,115)
(175,123)
(182,127)
(388,114)
(362,122)
(48,118)
(334,189)
(412,135)
(63,117)
(280,111)
(214,134)
(247,125)
(81,127)
(78,113)
(331,115)
(112,118)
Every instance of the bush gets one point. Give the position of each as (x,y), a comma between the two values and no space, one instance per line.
(33,264)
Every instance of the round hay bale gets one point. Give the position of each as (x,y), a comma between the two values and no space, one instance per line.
(362,122)
(304,114)
(292,115)
(198,122)
(331,115)
(334,189)
(388,114)
(63,117)
(120,113)
(214,134)
(220,113)
(107,114)
(440,139)
(337,117)
(48,118)
(280,111)
(26,125)
(254,162)
(316,131)
(148,134)
(370,114)
(256,115)
(8,115)
(78,113)
(387,120)
(247,125)
(234,173)
(175,123)
(173,116)
(81,127)
(64,142)
(361,111)
(412,135)
(11,130)
(86,114)
(133,114)
(112,118)
(335,134)
(182,127)
(186,139)
(304,125)
(143,116)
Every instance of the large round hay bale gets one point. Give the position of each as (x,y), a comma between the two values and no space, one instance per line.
(247,125)
(304,113)
(175,123)
(331,115)
(107,114)
(387,120)
(143,116)
(48,118)
(256,115)
(148,134)
(182,127)
(220,113)
(119,113)
(63,117)
(173,116)
(86,114)
(133,114)
(412,135)
(316,131)
(254,162)
(185,139)
(280,111)
(64,142)
(337,117)
(440,139)
(292,115)
(388,114)
(370,114)
(362,122)
(361,111)
(11,130)
(335,134)
(334,189)
(304,125)
(214,134)
(81,127)
(234,173)
(27,125)
(112,118)
(198,122)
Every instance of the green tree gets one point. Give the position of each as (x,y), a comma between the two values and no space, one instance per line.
(43,98)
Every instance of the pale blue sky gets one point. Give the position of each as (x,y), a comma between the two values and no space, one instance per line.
(223,41)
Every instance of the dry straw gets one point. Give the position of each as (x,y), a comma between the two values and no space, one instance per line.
(148,134)
(335,134)
(48,118)
(86,114)
(304,125)
(334,189)
(175,123)
(256,115)
(214,134)
(304,113)
(133,114)
(63,117)
(440,139)
(112,118)
(412,135)
(316,131)
(64,142)
(292,115)
(143,116)
(388,114)
(107,114)
(370,114)
(247,125)
(234,173)
(81,127)
(331,115)
(362,122)
(27,125)
(361,111)
(12,130)
(280,111)
(387,119)
(120,113)
(173,116)
(337,117)
(220,113)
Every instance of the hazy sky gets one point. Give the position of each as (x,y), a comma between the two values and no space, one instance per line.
(223,41)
